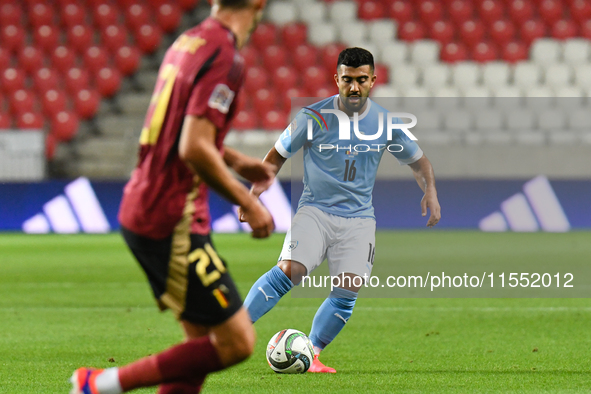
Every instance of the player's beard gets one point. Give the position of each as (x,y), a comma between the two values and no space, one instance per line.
(353,106)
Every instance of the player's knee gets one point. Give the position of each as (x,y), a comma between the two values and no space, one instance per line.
(293,270)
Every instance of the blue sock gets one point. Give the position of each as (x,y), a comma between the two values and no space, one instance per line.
(266,292)
(332,316)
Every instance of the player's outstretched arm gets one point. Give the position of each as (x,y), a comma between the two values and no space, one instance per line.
(197,149)
(273,159)
(261,174)
(423,172)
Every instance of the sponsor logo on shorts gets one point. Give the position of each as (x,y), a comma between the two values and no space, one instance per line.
(292,245)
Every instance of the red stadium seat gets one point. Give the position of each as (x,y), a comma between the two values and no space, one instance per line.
(274,56)
(113,37)
(148,38)
(329,55)
(580,10)
(514,52)
(285,78)
(411,31)
(502,32)
(264,36)
(401,11)
(313,78)
(168,16)
(490,11)
(454,52)
(87,103)
(63,58)
(187,5)
(136,15)
(371,10)
(472,32)
(251,56)
(586,30)
(442,32)
(245,120)
(381,70)
(46,37)
(29,120)
(293,35)
(550,11)
(22,101)
(4,59)
(264,100)
(73,14)
(12,79)
(80,37)
(30,59)
(430,11)
(76,79)
(484,52)
(520,11)
(41,14)
(10,13)
(531,30)
(460,11)
(274,120)
(45,79)
(289,95)
(256,78)
(108,81)
(304,55)
(95,58)
(564,28)
(127,60)
(64,126)
(53,101)
(5,121)
(105,15)
(324,91)
(12,37)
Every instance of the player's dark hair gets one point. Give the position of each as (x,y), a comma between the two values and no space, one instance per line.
(355,57)
(233,3)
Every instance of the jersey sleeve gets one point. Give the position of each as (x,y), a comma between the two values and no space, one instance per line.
(214,91)
(293,137)
(405,150)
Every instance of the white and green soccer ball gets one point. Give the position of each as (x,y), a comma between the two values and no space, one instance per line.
(290,351)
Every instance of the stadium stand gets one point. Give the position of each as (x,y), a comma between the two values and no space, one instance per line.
(84,69)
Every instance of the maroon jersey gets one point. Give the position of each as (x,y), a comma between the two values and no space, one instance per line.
(200,75)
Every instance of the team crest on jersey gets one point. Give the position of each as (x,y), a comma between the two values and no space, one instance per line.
(292,126)
(292,245)
(221,98)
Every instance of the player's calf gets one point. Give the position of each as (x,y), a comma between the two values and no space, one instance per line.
(234,339)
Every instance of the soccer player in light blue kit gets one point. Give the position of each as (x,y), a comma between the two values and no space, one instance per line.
(335,217)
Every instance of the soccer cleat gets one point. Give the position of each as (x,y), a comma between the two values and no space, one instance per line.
(83,381)
(318,367)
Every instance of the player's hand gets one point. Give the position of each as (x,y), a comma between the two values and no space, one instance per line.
(260,174)
(258,217)
(430,201)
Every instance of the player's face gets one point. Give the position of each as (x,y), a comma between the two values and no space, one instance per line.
(354,84)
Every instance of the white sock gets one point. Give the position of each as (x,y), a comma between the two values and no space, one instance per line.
(317,350)
(108,382)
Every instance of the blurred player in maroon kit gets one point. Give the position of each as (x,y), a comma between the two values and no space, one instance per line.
(164,213)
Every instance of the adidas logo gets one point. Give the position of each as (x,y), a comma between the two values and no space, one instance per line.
(78,209)
(276,202)
(534,209)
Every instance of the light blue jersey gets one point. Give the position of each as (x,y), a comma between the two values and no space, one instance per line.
(340,180)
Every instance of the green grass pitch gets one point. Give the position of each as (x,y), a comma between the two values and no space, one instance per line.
(69,301)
